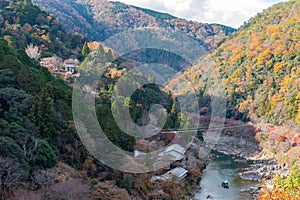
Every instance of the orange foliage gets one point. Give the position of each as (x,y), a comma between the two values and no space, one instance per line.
(93,45)
(277,195)
(278,66)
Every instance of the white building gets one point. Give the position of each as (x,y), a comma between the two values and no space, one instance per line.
(70,67)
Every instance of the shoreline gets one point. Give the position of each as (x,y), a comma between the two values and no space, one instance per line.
(244,147)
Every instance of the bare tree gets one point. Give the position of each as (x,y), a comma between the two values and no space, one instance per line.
(10,174)
(33,51)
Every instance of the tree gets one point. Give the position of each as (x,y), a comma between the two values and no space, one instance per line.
(4,128)
(7,78)
(10,149)
(85,50)
(10,175)
(11,62)
(42,113)
(126,182)
(47,154)
(29,81)
(33,51)
(284,187)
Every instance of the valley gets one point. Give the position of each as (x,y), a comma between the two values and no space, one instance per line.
(103,100)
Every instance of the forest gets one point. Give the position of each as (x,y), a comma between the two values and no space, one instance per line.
(259,67)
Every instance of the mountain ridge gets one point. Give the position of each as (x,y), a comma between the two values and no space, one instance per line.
(109,18)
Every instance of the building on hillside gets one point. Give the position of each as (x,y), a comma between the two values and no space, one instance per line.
(177,173)
(70,67)
(173,153)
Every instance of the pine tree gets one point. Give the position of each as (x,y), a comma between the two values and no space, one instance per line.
(85,50)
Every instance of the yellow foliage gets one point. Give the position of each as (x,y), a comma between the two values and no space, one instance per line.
(298,116)
(249,54)
(274,101)
(298,96)
(286,84)
(269,63)
(278,48)
(298,71)
(260,59)
(244,106)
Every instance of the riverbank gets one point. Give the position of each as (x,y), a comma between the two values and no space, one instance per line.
(269,150)
(222,167)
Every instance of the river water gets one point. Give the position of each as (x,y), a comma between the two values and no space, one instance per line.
(221,167)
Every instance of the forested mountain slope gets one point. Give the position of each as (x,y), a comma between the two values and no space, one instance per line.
(22,23)
(100,19)
(259,66)
(36,128)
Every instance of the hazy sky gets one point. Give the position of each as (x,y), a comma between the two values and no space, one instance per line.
(228,12)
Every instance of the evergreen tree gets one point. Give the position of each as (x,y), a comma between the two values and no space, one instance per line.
(85,50)
(42,113)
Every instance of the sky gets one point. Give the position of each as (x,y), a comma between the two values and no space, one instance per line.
(228,12)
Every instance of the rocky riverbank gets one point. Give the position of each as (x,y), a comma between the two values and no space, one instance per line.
(253,144)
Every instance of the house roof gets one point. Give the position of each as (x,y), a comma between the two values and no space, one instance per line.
(70,65)
(172,153)
(178,171)
(175,155)
(175,147)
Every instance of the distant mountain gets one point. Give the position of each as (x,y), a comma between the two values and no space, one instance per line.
(100,19)
(259,66)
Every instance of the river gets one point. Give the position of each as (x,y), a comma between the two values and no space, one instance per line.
(221,167)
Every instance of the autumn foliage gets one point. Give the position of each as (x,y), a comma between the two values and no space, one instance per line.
(258,66)
(284,187)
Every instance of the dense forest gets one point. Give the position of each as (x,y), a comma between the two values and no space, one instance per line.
(22,23)
(259,67)
(36,128)
(36,119)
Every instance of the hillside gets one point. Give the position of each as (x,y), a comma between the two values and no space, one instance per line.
(22,23)
(36,128)
(259,66)
(35,121)
(41,155)
(100,19)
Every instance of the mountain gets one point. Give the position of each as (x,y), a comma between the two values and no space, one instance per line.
(259,67)
(100,19)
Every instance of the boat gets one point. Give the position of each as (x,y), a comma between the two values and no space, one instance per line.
(225,184)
